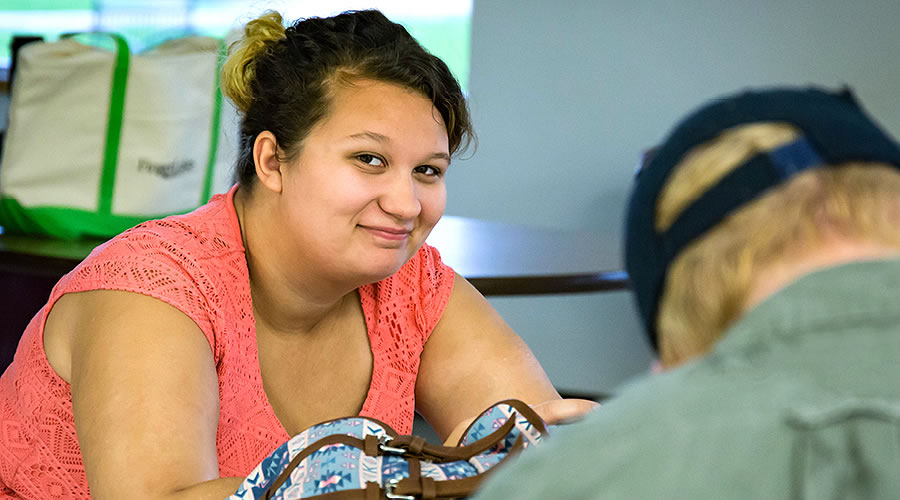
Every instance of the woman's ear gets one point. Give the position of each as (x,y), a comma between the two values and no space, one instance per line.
(265,158)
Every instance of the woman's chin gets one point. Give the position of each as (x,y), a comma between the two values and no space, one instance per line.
(372,265)
(377,272)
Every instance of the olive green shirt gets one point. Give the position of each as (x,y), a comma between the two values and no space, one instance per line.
(799,400)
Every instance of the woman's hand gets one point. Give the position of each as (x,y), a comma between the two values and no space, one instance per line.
(564,411)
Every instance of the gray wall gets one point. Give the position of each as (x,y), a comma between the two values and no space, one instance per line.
(566,94)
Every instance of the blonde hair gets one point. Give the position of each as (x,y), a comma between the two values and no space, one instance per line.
(707,284)
(239,70)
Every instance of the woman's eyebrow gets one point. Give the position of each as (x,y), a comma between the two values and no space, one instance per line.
(383,139)
(440,156)
(375,136)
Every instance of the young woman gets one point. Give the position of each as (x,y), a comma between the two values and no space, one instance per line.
(183,351)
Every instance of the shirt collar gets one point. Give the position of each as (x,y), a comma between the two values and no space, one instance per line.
(858,293)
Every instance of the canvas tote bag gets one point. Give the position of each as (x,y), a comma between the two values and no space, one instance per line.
(101,139)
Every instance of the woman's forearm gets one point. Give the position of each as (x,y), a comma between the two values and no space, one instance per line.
(215,489)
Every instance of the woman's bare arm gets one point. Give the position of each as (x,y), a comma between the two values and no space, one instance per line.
(144,396)
(473,359)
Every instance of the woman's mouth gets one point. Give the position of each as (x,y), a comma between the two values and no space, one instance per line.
(388,233)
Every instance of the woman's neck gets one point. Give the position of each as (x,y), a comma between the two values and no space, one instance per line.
(288,296)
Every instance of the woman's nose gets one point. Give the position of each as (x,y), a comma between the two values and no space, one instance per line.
(400,198)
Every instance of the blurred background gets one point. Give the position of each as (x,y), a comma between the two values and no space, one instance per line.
(565,97)
(444,26)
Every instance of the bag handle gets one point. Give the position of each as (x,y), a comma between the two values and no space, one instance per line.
(523,409)
(418,486)
(415,446)
(115,115)
(215,122)
(114,124)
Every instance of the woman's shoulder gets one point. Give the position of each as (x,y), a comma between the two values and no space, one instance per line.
(210,229)
(205,233)
(170,255)
(192,262)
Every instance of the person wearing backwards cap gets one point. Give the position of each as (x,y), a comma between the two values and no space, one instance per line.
(763,248)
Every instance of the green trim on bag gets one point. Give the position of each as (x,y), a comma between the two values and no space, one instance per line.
(114,125)
(14,218)
(64,223)
(214,126)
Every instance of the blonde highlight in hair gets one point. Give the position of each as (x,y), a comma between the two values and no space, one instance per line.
(239,70)
(708,283)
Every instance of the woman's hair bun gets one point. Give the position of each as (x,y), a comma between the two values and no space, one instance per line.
(239,71)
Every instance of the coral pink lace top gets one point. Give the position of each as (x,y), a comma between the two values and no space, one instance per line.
(196,263)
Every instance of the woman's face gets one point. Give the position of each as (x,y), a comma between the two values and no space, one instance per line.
(368,184)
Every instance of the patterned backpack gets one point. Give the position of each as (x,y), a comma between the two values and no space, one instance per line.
(363,458)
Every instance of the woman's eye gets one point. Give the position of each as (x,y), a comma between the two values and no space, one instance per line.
(370,160)
(429,170)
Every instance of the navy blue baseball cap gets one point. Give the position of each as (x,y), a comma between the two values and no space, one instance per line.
(834,130)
